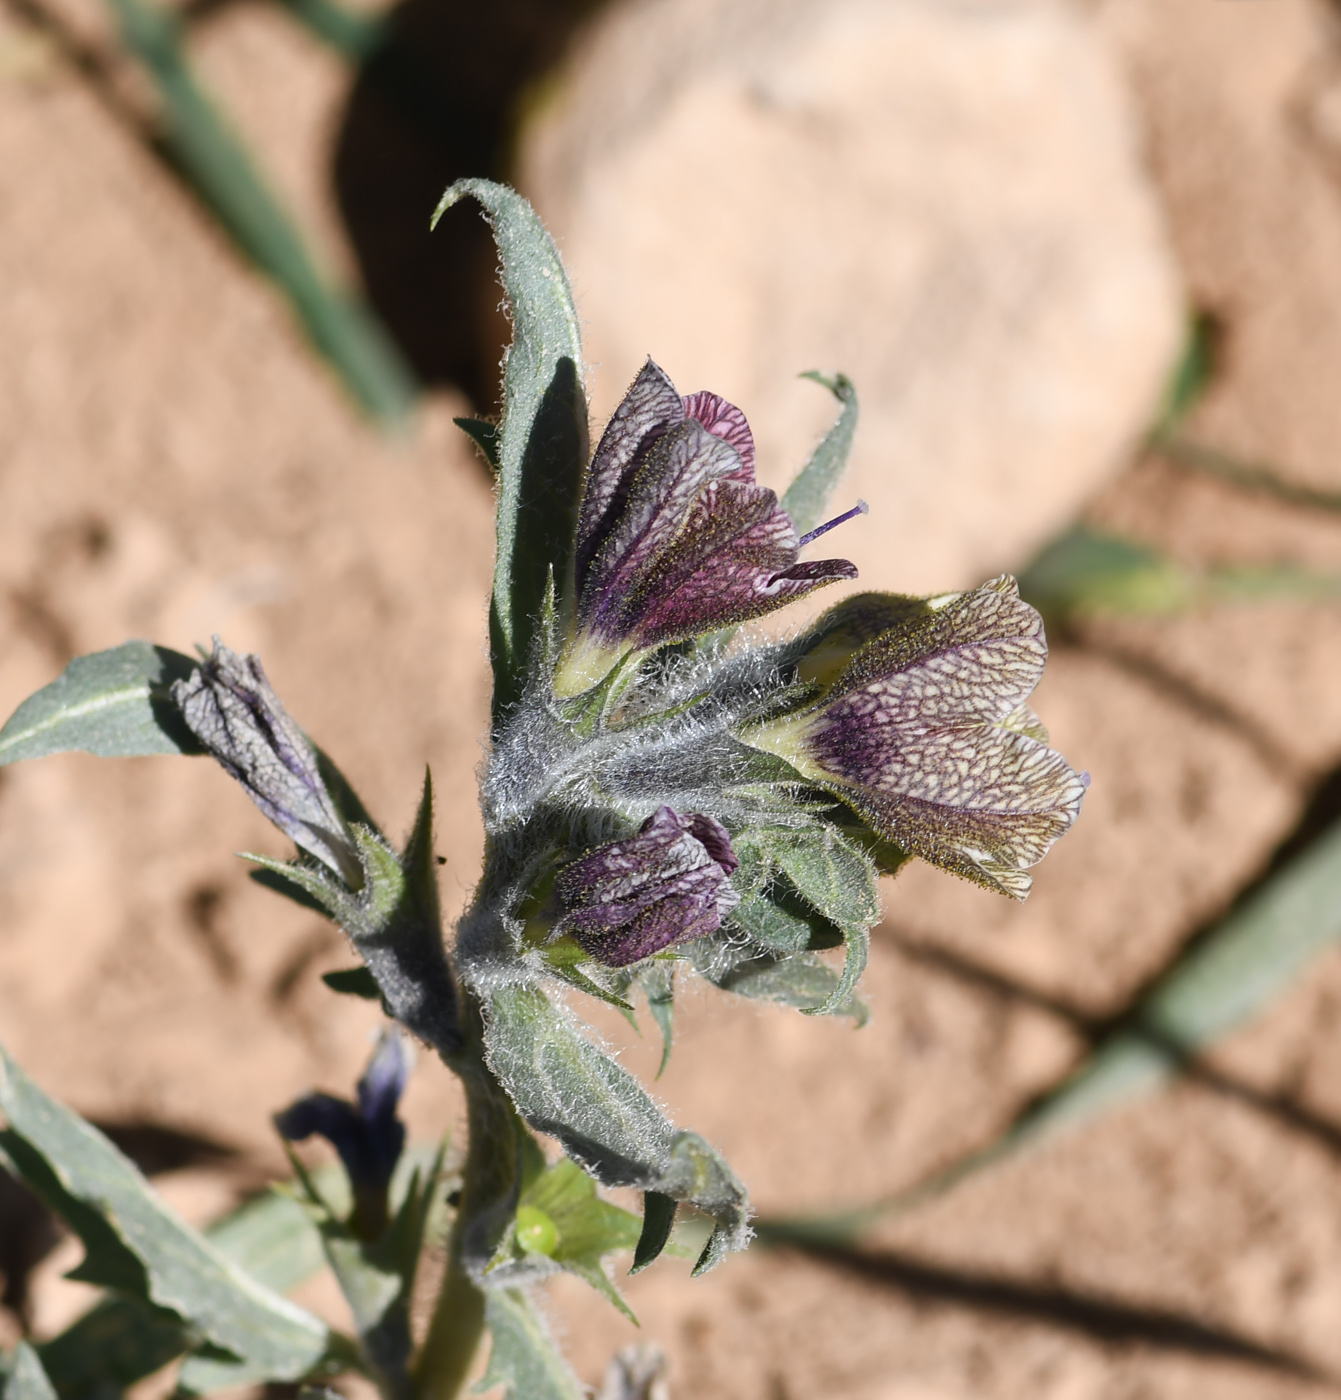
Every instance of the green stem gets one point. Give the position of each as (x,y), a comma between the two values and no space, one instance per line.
(490,1184)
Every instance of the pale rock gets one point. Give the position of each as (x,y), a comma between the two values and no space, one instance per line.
(942,198)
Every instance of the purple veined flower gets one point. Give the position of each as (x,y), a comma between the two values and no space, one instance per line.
(675,538)
(921,727)
(632,898)
(229,705)
(368,1135)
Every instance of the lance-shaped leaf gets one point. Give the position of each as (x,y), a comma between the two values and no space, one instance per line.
(676,539)
(807,498)
(801,980)
(136,1245)
(26,1379)
(522,1357)
(605,1120)
(542,439)
(115,704)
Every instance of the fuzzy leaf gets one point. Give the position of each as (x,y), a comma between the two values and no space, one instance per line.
(657,979)
(542,439)
(112,703)
(134,1244)
(800,980)
(809,494)
(26,1379)
(523,1358)
(564,1086)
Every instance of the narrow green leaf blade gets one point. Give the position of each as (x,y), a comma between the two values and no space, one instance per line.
(27,1380)
(111,703)
(136,1245)
(523,1358)
(808,496)
(542,439)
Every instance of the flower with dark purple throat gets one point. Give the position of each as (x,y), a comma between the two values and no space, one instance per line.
(367,1134)
(230,707)
(666,885)
(920,726)
(675,538)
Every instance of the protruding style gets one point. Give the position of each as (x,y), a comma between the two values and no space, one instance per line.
(675,538)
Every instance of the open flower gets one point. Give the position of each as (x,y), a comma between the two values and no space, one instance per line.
(921,727)
(230,707)
(675,538)
(666,885)
(367,1135)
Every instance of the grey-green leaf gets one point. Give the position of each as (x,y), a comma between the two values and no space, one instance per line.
(808,496)
(542,439)
(565,1086)
(136,1245)
(27,1380)
(523,1358)
(112,703)
(801,980)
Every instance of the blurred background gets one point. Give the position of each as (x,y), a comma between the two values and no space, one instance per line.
(1082,261)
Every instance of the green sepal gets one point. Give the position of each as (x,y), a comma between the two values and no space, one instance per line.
(657,979)
(484,435)
(658,1220)
(134,1244)
(353,982)
(542,438)
(560,1216)
(801,980)
(563,960)
(115,704)
(808,496)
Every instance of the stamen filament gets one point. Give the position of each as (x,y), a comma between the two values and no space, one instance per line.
(859,509)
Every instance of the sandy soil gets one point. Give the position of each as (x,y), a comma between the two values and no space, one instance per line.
(173,462)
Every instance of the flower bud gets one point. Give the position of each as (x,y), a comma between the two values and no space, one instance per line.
(921,727)
(367,1135)
(229,706)
(675,539)
(664,886)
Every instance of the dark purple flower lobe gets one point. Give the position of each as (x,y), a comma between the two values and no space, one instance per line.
(923,729)
(632,898)
(675,537)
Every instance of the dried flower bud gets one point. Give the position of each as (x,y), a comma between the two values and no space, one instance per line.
(367,1135)
(229,706)
(666,885)
(922,728)
(675,538)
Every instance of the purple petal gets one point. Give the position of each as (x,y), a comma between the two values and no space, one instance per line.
(229,705)
(726,421)
(384,1080)
(669,883)
(649,409)
(676,538)
(924,731)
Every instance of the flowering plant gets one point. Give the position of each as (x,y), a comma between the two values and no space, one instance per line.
(665,797)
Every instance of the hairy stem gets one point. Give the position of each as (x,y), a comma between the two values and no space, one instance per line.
(490,1184)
